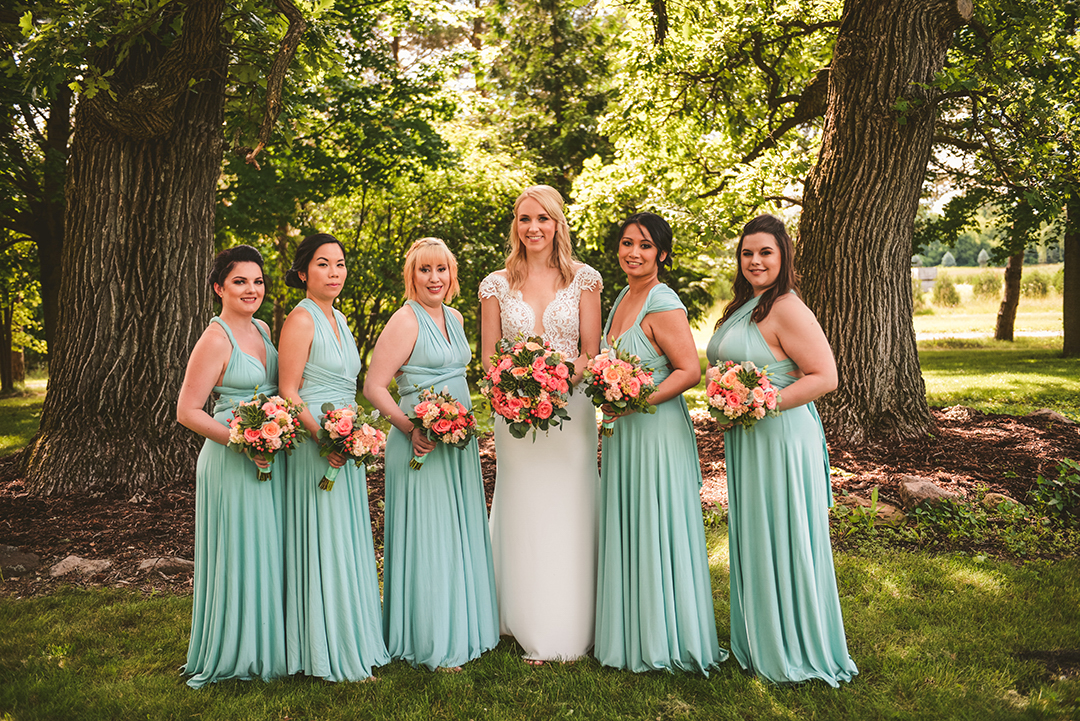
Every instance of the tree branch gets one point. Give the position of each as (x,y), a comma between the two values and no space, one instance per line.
(275,81)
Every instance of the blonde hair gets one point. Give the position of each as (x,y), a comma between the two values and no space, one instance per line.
(562,253)
(429,250)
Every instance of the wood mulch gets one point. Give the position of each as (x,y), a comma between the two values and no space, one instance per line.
(970,450)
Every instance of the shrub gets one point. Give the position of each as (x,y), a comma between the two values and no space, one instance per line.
(1035,284)
(948,260)
(1059,281)
(1059,497)
(945,292)
(987,285)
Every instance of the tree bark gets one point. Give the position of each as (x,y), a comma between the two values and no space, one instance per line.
(1006,317)
(859,207)
(139,223)
(1071,299)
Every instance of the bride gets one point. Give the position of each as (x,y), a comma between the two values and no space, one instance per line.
(544,514)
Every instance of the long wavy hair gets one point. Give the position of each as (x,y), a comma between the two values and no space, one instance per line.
(786,281)
(562,253)
(422,252)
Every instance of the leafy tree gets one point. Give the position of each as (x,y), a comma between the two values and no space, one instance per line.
(19,295)
(152,81)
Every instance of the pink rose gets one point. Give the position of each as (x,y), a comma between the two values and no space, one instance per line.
(271,429)
(442,426)
(505,364)
(269,408)
(759,395)
(770,399)
(562,371)
(633,387)
(252,435)
(544,409)
(344,425)
(422,408)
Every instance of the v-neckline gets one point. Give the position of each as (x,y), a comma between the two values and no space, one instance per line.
(236,344)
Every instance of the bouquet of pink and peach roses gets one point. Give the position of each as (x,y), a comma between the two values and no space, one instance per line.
(740,393)
(352,434)
(266,425)
(528,385)
(444,420)
(616,380)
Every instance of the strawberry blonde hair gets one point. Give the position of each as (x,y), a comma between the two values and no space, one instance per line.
(424,251)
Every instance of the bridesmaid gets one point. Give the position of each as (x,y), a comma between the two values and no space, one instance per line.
(438,583)
(237,618)
(786,624)
(333,618)
(654,606)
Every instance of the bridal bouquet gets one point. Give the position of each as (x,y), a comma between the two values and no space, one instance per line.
(528,385)
(351,433)
(266,425)
(740,393)
(617,380)
(444,420)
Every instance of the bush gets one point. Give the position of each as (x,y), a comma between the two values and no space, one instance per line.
(1036,284)
(945,292)
(1059,497)
(1059,281)
(987,285)
(948,260)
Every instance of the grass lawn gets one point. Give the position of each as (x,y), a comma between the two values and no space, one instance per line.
(19,416)
(935,637)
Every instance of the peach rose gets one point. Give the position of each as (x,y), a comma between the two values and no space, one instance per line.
(544,409)
(252,435)
(442,426)
(270,429)
(344,425)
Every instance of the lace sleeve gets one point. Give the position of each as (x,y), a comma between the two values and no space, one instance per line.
(588,278)
(493,286)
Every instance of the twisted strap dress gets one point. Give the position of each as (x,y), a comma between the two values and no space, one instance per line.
(333,615)
(786,623)
(438,583)
(237,614)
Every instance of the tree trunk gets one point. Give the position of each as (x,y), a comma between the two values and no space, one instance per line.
(1071,299)
(48,211)
(7,379)
(133,298)
(1006,317)
(859,206)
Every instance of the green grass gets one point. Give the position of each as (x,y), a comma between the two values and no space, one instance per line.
(996,377)
(943,637)
(19,416)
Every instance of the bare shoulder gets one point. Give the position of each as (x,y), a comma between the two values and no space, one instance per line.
(262,325)
(403,319)
(214,339)
(789,307)
(298,319)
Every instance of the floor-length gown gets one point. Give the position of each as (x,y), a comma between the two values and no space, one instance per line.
(654,604)
(333,616)
(786,623)
(438,583)
(237,616)
(544,513)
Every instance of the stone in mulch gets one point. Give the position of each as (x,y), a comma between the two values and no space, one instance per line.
(1051,415)
(82,566)
(915,491)
(993,500)
(169,565)
(16,562)
(886,514)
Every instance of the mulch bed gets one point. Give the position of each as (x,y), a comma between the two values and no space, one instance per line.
(970,450)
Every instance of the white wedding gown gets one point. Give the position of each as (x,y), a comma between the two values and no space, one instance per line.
(544,517)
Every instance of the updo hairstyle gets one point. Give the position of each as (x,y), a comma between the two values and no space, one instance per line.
(226,260)
(304,254)
(659,231)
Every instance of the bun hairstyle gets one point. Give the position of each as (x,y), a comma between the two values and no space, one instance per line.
(659,231)
(304,253)
(224,262)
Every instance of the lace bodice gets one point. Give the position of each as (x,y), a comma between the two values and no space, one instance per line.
(560,319)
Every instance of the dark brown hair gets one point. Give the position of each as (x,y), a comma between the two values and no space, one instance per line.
(304,253)
(659,231)
(786,281)
(226,260)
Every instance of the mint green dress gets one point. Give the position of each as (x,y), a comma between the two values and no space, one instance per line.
(333,617)
(237,617)
(654,603)
(786,624)
(438,582)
